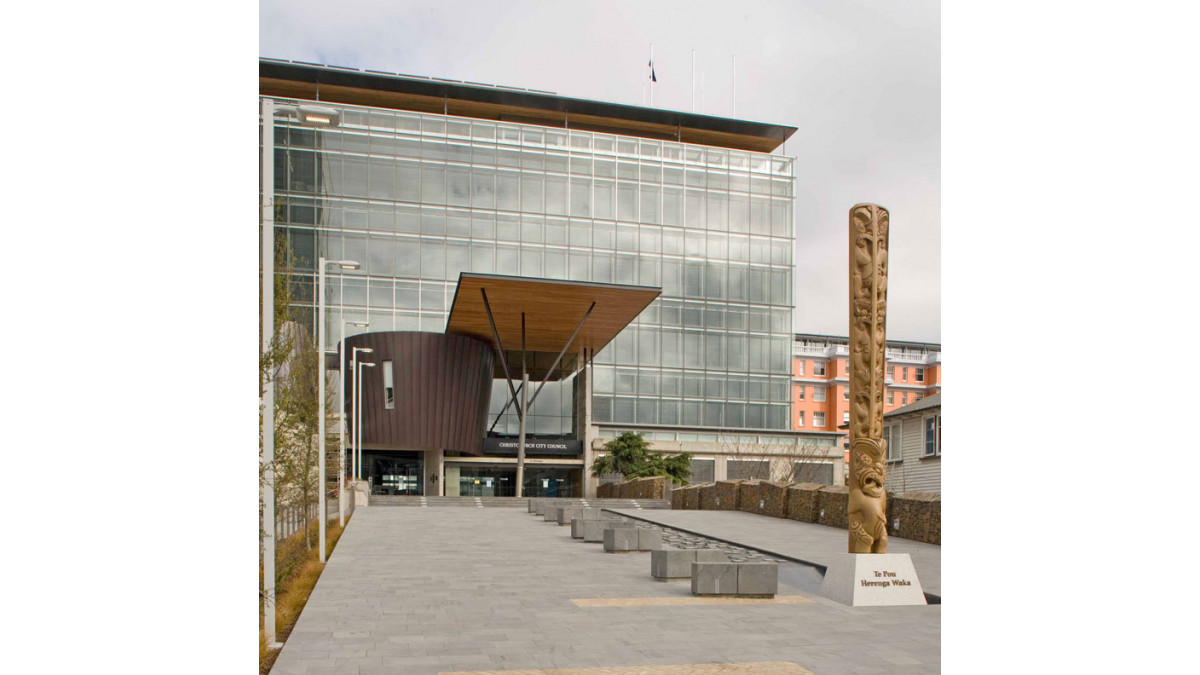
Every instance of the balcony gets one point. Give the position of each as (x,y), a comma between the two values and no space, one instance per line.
(914,356)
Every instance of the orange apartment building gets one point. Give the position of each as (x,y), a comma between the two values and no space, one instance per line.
(821,379)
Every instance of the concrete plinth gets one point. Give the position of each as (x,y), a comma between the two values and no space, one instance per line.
(714,578)
(593,530)
(649,540)
(758,579)
(668,564)
(873,579)
(566,514)
(362,491)
(620,539)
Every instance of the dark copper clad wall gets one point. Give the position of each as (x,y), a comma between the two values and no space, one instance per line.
(443,387)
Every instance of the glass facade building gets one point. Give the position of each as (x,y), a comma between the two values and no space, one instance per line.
(419,197)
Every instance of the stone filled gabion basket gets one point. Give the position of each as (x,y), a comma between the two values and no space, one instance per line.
(803,501)
(774,497)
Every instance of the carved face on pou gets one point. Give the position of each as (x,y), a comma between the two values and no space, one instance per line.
(868,465)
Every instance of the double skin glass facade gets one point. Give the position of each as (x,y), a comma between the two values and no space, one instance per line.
(418,198)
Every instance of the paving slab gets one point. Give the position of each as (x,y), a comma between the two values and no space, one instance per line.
(427,591)
(809,542)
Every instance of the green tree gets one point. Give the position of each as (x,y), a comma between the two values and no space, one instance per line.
(629,454)
(293,364)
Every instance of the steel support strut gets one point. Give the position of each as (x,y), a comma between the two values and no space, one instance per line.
(500,350)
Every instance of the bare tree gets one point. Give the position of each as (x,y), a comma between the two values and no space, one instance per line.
(800,461)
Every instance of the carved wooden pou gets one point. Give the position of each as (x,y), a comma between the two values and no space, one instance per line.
(867,505)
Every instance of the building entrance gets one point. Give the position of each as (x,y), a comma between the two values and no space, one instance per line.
(394,473)
(501,481)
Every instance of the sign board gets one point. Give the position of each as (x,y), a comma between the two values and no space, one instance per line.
(865,579)
(507,447)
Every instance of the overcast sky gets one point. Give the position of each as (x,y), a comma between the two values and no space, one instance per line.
(860,80)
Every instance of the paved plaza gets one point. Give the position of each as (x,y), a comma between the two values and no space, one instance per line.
(443,590)
(787,538)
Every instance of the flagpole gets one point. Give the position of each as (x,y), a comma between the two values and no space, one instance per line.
(693,80)
(733,88)
(651,74)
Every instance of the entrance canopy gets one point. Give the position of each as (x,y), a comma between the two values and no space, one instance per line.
(553,311)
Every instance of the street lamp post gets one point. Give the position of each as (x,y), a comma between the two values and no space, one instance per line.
(267,215)
(342,420)
(358,414)
(315,116)
(323,480)
(354,370)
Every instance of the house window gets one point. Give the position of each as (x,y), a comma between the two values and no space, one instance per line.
(846,367)
(819,394)
(846,417)
(800,366)
(920,374)
(904,398)
(818,367)
(845,393)
(917,396)
(891,397)
(389,389)
(819,419)
(892,436)
(904,374)
(933,435)
(802,388)
(891,373)
(800,419)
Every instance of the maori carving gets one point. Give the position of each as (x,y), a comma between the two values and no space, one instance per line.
(867,504)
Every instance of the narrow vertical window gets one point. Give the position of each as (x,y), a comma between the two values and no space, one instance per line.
(932,435)
(389,389)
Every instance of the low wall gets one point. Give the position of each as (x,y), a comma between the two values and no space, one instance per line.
(916,516)
(719,496)
(653,487)
(832,501)
(911,515)
(803,501)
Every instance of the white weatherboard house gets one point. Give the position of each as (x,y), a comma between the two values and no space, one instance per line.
(914,435)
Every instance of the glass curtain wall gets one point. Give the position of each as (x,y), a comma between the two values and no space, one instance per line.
(418,198)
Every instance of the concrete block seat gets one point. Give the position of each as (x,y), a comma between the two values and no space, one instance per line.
(754,580)
(668,564)
(631,539)
(593,530)
(580,522)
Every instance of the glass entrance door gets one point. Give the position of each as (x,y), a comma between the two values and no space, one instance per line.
(395,473)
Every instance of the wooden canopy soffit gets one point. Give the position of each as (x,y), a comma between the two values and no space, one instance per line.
(396,93)
(552,310)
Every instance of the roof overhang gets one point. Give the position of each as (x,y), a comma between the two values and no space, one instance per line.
(447,97)
(552,310)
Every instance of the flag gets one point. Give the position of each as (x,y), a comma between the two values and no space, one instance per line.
(652,77)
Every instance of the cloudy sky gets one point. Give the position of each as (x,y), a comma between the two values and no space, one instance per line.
(860,80)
